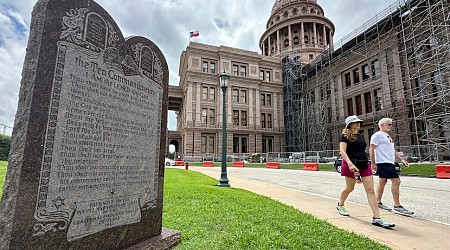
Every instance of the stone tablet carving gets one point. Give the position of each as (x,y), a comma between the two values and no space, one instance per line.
(97,121)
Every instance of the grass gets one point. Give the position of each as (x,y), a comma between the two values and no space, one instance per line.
(210,217)
(3,165)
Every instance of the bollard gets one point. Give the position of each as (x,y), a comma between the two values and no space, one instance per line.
(186,165)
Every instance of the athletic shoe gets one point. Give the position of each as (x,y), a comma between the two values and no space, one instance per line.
(342,210)
(382,206)
(382,223)
(401,210)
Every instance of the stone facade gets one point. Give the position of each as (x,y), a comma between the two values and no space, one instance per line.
(255,121)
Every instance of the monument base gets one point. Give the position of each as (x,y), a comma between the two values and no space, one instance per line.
(166,240)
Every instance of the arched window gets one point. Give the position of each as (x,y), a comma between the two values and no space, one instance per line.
(313,11)
(304,10)
(286,43)
(294,11)
(296,41)
(306,39)
(285,14)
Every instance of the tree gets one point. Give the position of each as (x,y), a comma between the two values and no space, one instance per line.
(5,145)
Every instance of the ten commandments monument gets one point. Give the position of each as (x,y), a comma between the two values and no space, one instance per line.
(86,164)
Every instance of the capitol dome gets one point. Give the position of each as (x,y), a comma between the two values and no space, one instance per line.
(297,28)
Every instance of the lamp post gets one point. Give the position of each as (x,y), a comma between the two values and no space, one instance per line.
(224,79)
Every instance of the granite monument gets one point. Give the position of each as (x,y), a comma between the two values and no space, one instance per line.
(86,167)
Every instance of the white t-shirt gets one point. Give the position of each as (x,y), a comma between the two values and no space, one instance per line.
(384,150)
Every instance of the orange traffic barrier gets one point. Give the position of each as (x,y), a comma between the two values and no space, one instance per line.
(311,166)
(179,163)
(443,171)
(208,164)
(238,164)
(272,165)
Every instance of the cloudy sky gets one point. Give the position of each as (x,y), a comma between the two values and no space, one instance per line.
(234,23)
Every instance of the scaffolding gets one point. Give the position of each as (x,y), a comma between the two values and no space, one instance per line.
(410,41)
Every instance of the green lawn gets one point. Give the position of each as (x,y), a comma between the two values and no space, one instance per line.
(211,217)
(2,175)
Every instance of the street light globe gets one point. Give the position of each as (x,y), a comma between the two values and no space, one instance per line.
(224,79)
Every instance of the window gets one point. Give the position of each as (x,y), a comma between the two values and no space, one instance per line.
(243,96)
(235,96)
(208,116)
(348,80)
(209,66)
(366,74)
(266,120)
(212,117)
(236,117)
(208,93)
(350,106)
(235,70)
(240,69)
(356,76)
(377,94)
(358,105)
(263,120)
(240,118)
(376,71)
(265,75)
(368,102)
(269,120)
(240,144)
(244,118)
(208,144)
(205,93)
(370,132)
(212,94)
(243,71)
(239,96)
(266,99)
(267,144)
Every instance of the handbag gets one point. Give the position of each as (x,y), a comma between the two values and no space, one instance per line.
(361,164)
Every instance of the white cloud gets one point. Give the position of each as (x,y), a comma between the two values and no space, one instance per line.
(167,23)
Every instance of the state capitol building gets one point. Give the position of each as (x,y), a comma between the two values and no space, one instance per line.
(294,94)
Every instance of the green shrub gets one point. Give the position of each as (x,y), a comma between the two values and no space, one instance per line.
(5,145)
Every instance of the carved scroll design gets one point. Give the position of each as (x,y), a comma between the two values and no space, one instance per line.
(113,38)
(73,26)
(158,71)
(51,221)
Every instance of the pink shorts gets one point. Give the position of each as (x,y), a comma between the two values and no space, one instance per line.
(345,171)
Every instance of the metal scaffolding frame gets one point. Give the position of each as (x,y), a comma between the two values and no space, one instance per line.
(412,41)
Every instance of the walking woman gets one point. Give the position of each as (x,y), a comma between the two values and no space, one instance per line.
(352,147)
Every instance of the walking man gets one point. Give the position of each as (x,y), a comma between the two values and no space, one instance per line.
(383,155)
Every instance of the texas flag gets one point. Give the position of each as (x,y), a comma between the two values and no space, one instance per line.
(194,33)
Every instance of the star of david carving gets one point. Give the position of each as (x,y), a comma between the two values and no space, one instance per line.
(58,202)
(112,192)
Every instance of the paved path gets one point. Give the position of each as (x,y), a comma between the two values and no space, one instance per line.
(316,193)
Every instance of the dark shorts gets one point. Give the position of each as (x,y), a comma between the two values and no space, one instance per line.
(387,170)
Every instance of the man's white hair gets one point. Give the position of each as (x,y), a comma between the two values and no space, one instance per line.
(384,121)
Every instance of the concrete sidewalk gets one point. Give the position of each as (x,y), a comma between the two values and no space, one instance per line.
(409,232)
